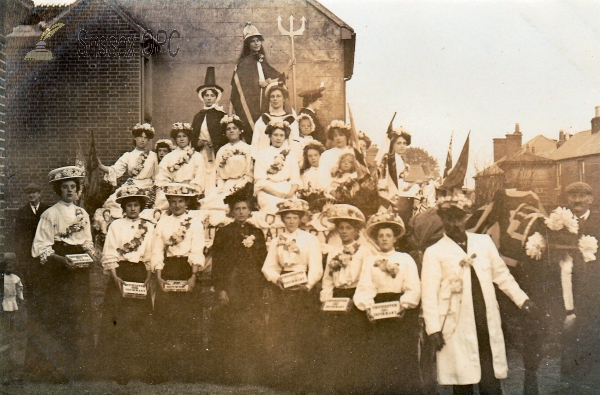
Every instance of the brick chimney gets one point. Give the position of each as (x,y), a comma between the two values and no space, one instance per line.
(596,121)
(499,148)
(514,141)
(562,138)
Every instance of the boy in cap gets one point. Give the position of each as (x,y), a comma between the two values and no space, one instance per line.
(311,104)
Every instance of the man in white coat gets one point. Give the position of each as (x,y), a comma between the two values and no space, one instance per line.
(459,303)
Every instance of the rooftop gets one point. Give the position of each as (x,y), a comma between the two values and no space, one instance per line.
(578,145)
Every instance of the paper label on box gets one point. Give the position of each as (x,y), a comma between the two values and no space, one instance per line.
(176,286)
(385,310)
(79,260)
(337,304)
(293,278)
(134,290)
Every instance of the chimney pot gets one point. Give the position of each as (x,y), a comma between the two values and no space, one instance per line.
(561,135)
(517,129)
(596,121)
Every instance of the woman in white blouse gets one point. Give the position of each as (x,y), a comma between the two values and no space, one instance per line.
(310,166)
(345,332)
(64,229)
(182,165)
(126,256)
(293,307)
(391,276)
(276,172)
(233,161)
(278,95)
(177,255)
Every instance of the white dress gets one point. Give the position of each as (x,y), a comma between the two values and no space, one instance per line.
(121,232)
(347,276)
(310,178)
(182,165)
(281,179)
(306,259)
(191,246)
(374,281)
(233,167)
(53,226)
(329,159)
(298,144)
(261,140)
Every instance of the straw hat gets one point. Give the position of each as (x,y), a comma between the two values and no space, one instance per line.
(129,191)
(65,173)
(345,212)
(387,217)
(179,189)
(292,205)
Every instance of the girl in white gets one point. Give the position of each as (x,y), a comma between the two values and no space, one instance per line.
(340,134)
(293,309)
(306,128)
(276,172)
(391,276)
(182,165)
(177,255)
(310,167)
(234,162)
(126,256)
(277,95)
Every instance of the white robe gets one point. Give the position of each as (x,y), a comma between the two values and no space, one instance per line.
(458,361)
(260,140)
(328,160)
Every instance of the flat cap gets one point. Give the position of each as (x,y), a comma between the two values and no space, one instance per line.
(32,188)
(579,187)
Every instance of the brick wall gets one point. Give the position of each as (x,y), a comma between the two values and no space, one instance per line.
(211,35)
(53,105)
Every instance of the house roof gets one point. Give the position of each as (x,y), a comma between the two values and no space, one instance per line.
(580,144)
(329,14)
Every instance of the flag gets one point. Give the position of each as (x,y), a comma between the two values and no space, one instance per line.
(93,177)
(456,176)
(448,166)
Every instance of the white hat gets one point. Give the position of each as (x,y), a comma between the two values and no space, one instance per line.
(64,173)
(179,189)
(250,31)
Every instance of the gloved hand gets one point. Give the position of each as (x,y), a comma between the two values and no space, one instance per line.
(437,339)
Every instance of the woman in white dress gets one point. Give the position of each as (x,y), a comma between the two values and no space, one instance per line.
(64,229)
(182,165)
(310,167)
(277,94)
(340,134)
(276,172)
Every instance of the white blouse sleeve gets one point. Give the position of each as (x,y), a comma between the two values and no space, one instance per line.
(157,261)
(163,176)
(411,286)
(196,257)
(117,170)
(271,268)
(110,256)
(364,297)
(200,174)
(292,162)
(44,238)
(148,243)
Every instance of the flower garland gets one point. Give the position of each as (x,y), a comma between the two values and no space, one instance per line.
(138,239)
(227,119)
(278,162)
(140,163)
(391,268)
(189,151)
(179,235)
(77,226)
(228,154)
(562,218)
(144,126)
(342,260)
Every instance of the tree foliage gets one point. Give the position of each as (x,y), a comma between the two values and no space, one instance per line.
(419,156)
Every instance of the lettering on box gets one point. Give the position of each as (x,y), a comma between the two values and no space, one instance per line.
(176,286)
(337,304)
(79,261)
(293,278)
(134,290)
(384,310)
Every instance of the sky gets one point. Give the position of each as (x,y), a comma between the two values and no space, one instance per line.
(478,66)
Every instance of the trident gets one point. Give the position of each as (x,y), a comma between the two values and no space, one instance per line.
(292,33)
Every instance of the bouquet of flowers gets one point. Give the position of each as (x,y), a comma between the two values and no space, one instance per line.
(75,227)
(342,259)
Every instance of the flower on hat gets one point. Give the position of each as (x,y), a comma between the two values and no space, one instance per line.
(179,190)
(143,126)
(229,119)
(182,126)
(293,205)
(459,201)
(130,190)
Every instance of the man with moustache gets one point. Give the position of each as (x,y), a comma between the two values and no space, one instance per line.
(580,363)
(459,303)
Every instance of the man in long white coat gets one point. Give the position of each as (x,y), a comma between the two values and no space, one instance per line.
(459,303)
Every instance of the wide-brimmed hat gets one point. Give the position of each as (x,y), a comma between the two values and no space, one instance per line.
(32,188)
(579,187)
(210,82)
(458,204)
(130,191)
(179,189)
(387,217)
(345,212)
(292,205)
(250,31)
(65,173)
(181,127)
(143,127)
(312,94)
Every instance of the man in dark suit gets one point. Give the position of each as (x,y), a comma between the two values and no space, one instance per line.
(581,356)
(26,222)
(311,104)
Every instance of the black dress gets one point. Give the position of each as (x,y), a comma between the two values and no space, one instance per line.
(213,123)
(239,327)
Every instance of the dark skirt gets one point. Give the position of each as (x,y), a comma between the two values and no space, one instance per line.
(177,318)
(393,350)
(343,347)
(124,337)
(60,344)
(293,329)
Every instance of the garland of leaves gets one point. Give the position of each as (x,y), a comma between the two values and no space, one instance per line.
(140,163)
(138,239)
(77,226)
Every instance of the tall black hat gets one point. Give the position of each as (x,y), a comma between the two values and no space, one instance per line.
(210,82)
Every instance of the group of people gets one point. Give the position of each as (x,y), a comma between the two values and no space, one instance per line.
(291,310)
